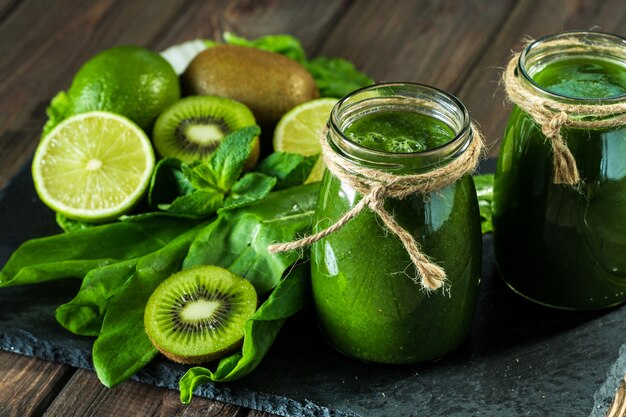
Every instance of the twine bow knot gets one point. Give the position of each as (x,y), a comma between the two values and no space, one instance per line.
(375,186)
(552,114)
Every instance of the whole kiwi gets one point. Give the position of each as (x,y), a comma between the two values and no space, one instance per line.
(268,83)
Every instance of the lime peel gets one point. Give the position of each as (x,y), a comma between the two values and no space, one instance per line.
(299,129)
(93,166)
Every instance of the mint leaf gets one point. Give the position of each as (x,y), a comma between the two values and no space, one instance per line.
(198,203)
(281,44)
(60,108)
(229,158)
(336,77)
(253,187)
(289,169)
(201,176)
(167,182)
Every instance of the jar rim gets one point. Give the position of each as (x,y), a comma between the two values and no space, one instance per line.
(460,134)
(521,65)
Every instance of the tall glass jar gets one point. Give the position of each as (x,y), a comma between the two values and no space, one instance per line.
(367,304)
(560,245)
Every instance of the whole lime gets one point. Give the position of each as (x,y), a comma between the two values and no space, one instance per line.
(128,80)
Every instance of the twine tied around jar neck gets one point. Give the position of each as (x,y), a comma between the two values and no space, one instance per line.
(376,185)
(553,115)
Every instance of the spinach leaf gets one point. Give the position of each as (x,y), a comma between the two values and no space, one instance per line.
(281,44)
(83,315)
(484,191)
(237,240)
(74,254)
(167,183)
(289,169)
(336,77)
(253,187)
(289,297)
(123,348)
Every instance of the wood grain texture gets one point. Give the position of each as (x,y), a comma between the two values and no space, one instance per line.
(85,396)
(28,385)
(529,18)
(430,42)
(309,21)
(41,54)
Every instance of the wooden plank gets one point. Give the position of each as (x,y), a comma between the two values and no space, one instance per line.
(41,60)
(534,18)
(431,42)
(28,385)
(309,21)
(85,396)
(7,8)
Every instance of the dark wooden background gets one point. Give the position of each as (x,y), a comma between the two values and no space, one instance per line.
(458,46)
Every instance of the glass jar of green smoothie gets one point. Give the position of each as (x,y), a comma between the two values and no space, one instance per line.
(564,244)
(368,303)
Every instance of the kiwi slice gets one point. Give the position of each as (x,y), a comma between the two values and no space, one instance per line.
(198,314)
(192,128)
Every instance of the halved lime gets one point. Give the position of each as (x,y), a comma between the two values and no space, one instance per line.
(93,166)
(299,129)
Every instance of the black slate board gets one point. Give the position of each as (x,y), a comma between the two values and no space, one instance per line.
(521,359)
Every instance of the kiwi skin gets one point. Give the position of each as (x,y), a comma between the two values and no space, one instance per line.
(268,83)
(197,359)
(187,285)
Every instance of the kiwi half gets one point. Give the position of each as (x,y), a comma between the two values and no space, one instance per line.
(198,314)
(192,128)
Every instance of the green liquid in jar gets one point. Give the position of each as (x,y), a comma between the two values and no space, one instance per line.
(583,78)
(559,245)
(367,305)
(399,131)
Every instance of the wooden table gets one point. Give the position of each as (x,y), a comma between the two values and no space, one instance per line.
(458,46)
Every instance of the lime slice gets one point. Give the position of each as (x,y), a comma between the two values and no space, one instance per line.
(93,167)
(299,129)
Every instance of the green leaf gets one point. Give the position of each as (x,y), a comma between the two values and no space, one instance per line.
(60,108)
(71,225)
(228,160)
(83,315)
(74,254)
(198,203)
(281,44)
(201,176)
(123,348)
(238,239)
(167,183)
(336,77)
(289,169)
(289,297)
(253,187)
(484,191)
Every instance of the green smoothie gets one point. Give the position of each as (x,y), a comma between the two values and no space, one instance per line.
(368,307)
(583,78)
(399,131)
(554,244)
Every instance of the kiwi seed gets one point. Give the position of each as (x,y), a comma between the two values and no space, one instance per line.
(193,128)
(198,314)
